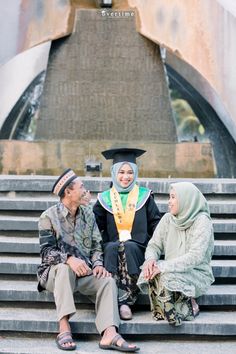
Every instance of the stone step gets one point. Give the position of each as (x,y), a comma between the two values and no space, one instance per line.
(21,223)
(15,244)
(220,186)
(224,225)
(26,183)
(28,265)
(224,268)
(27,203)
(30,223)
(26,291)
(42,203)
(19,265)
(28,343)
(212,323)
(222,206)
(225,248)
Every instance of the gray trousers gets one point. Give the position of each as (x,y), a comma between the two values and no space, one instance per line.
(63,283)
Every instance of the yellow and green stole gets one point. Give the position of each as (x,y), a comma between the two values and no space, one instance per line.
(124,217)
(123,206)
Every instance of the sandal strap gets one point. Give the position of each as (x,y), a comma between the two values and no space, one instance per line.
(62,334)
(64,337)
(124,344)
(65,340)
(115,339)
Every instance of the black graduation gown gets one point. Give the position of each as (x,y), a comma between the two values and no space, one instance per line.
(145,222)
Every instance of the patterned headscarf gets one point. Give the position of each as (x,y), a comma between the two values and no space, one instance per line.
(114,172)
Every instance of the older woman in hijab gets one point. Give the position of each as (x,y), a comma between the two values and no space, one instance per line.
(185,237)
(126,215)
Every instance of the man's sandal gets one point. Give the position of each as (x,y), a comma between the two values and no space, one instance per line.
(65,338)
(124,347)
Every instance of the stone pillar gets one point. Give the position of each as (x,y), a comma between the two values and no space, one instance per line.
(105,82)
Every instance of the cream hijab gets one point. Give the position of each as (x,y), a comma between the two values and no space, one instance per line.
(191,204)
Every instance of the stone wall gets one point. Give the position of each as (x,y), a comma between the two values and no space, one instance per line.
(105,81)
(52,157)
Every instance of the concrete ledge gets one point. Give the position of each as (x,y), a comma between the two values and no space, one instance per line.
(224,225)
(26,203)
(225,248)
(221,295)
(19,265)
(26,291)
(31,344)
(20,223)
(163,159)
(30,223)
(28,265)
(98,184)
(10,244)
(26,183)
(220,323)
(224,268)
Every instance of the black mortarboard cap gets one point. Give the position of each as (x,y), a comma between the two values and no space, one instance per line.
(123,154)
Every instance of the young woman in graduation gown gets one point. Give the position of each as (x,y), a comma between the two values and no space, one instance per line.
(127,216)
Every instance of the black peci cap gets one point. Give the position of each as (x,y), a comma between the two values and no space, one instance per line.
(63,181)
(122,154)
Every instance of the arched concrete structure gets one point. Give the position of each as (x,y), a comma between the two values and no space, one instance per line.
(18,73)
(200,33)
(223,144)
(164,22)
(25,24)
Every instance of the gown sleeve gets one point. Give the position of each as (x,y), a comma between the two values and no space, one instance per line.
(153,215)
(101,220)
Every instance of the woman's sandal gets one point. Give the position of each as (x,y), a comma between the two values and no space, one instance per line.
(124,347)
(125,312)
(65,338)
(195,307)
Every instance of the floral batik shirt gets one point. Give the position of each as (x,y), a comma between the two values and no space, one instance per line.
(61,236)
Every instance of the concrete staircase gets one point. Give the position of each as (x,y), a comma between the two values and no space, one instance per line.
(24,310)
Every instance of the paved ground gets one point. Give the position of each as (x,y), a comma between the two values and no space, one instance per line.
(89,344)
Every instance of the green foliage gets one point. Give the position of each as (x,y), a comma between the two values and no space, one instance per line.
(188,125)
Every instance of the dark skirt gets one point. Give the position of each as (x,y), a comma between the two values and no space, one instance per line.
(134,255)
(126,283)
